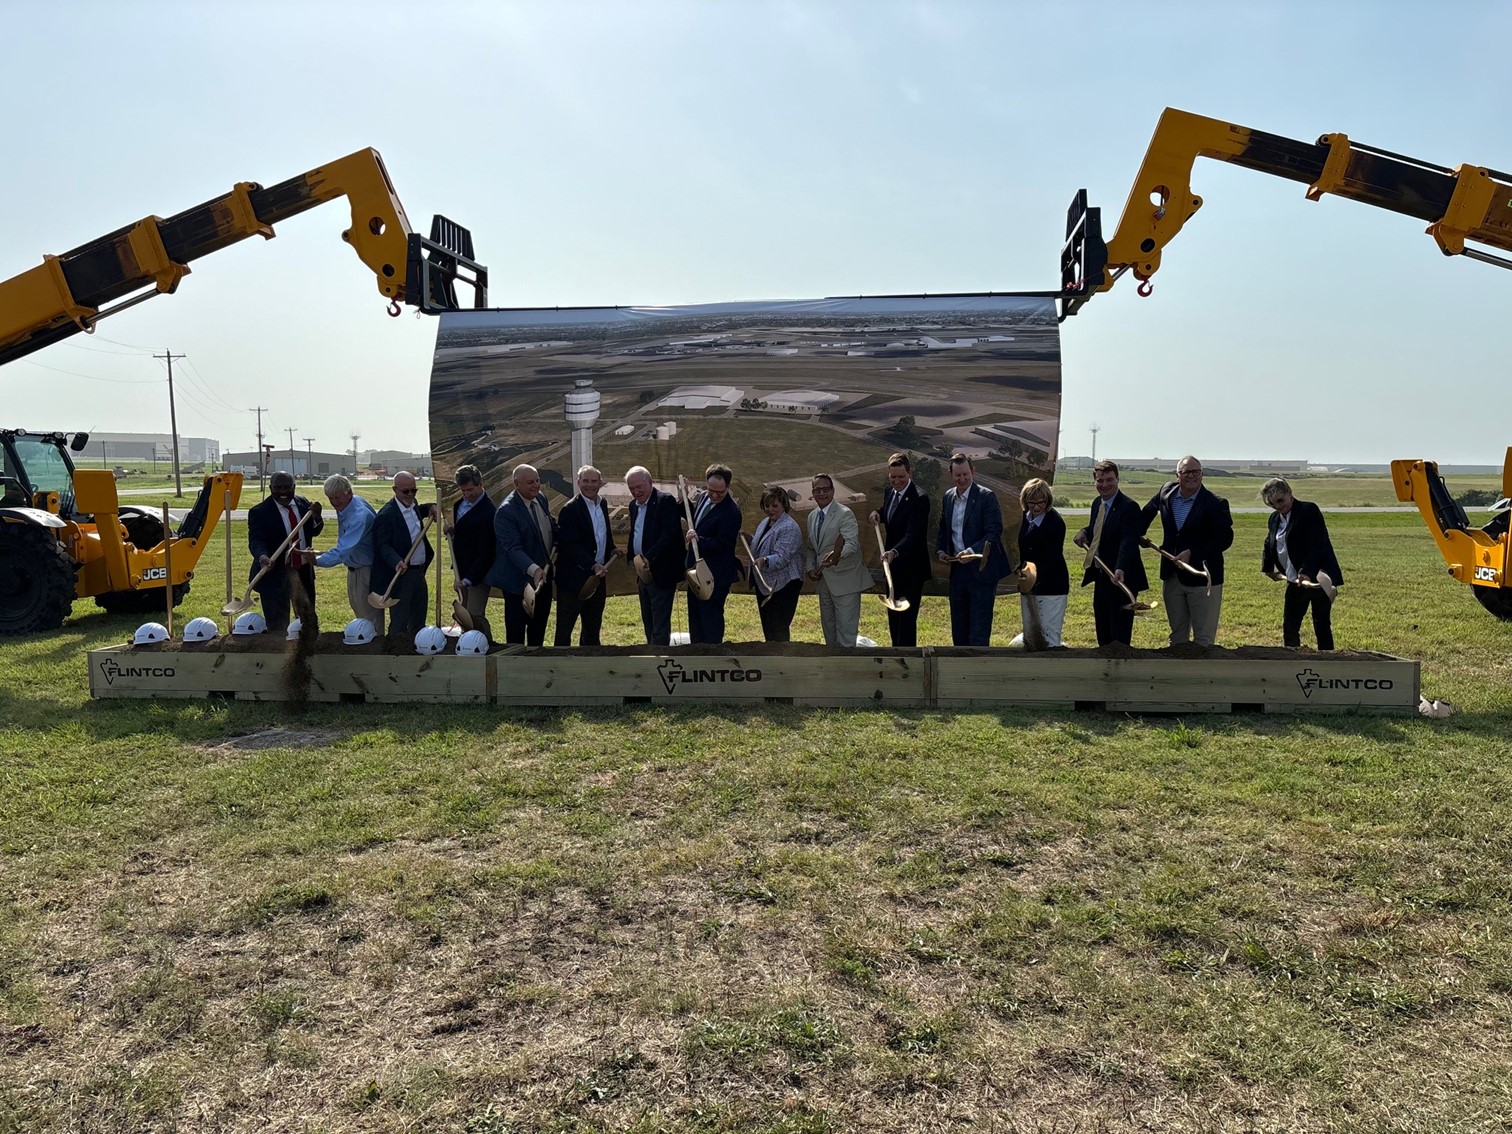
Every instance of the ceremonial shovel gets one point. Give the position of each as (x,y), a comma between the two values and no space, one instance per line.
(700,577)
(226,515)
(888,600)
(1034,633)
(236,606)
(591,584)
(1324,584)
(1205,574)
(460,614)
(766,598)
(1134,604)
(383,601)
(168,566)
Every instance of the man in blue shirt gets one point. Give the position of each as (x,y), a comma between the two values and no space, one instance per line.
(354,546)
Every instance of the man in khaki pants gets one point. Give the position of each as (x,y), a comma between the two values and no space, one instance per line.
(1196,528)
(354,547)
(841,575)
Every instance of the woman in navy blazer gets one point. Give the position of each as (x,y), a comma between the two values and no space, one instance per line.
(1042,541)
(715,531)
(1297,549)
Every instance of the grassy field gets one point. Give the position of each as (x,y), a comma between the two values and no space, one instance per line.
(1330,490)
(237,917)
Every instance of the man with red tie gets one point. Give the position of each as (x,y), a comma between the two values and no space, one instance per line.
(268,525)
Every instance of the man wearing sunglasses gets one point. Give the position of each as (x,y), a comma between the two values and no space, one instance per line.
(400,555)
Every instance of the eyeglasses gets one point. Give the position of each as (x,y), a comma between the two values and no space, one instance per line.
(1190,472)
(405,491)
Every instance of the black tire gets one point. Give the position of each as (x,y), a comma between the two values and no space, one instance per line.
(36,580)
(144,532)
(1496,600)
(140,602)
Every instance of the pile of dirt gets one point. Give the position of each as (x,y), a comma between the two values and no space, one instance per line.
(404,644)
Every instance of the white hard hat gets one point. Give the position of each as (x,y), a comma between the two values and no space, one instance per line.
(148,633)
(359,632)
(199,630)
(249,622)
(430,640)
(474,643)
(294,628)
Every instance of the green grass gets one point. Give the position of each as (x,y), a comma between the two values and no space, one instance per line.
(1330,490)
(767,919)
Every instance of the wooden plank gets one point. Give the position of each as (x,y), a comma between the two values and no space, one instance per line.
(1370,682)
(126,671)
(554,677)
(392,679)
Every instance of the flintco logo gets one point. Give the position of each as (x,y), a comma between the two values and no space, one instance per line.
(673,674)
(1311,681)
(110,669)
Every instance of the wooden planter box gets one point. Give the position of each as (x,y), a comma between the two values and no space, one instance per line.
(1149,681)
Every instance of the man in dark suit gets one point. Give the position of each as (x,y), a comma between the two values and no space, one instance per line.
(1197,529)
(525,535)
(971,524)
(1297,549)
(904,517)
(715,532)
(655,549)
(472,536)
(400,524)
(1112,534)
(583,552)
(268,525)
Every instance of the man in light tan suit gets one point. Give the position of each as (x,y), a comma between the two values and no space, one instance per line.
(834,562)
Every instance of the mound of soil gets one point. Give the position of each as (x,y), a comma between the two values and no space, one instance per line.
(404,644)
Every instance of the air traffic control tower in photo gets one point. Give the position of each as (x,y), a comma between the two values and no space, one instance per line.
(581,408)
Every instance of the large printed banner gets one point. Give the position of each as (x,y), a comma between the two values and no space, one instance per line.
(778,391)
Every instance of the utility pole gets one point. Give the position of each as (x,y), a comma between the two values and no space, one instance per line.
(292,465)
(310,458)
(262,488)
(178,480)
(354,454)
(1095,427)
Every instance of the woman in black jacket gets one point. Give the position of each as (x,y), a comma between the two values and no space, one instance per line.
(1042,541)
(1297,549)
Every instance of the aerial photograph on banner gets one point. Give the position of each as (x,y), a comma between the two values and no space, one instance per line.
(777,391)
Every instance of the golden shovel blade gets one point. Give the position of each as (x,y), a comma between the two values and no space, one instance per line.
(379,602)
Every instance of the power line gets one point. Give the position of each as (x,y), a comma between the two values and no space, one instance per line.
(91,377)
(178,479)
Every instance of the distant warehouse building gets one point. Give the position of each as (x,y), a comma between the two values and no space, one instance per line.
(702,397)
(112,448)
(800,401)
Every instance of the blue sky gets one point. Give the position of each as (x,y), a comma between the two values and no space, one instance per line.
(674,153)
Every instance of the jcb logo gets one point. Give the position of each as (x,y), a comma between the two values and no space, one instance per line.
(154,573)
(1485,574)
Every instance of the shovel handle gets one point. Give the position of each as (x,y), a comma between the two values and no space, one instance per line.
(1109,572)
(754,565)
(278,554)
(425,527)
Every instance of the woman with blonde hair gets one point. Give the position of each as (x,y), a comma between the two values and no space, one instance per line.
(1042,542)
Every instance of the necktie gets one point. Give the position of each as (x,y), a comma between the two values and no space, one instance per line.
(294,527)
(543,523)
(891,507)
(703,510)
(1097,527)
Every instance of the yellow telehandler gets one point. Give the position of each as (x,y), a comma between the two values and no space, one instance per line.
(63,532)
(1469,203)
